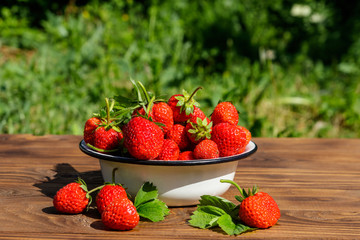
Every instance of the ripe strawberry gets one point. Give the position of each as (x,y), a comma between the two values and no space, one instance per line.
(178,134)
(206,149)
(247,134)
(72,198)
(143,138)
(225,112)
(160,112)
(198,113)
(248,138)
(198,129)
(183,105)
(170,151)
(89,129)
(229,138)
(108,194)
(107,138)
(105,134)
(121,214)
(187,155)
(257,209)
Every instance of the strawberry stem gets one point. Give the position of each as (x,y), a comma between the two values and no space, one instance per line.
(193,94)
(233,183)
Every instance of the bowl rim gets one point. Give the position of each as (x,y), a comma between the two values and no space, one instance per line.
(250,149)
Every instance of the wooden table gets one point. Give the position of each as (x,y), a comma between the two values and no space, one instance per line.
(316,183)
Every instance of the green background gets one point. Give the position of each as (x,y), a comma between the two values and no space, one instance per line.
(290,67)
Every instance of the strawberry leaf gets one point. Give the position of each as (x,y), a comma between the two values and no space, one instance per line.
(147,192)
(148,205)
(216,211)
(206,216)
(227,225)
(154,210)
(222,203)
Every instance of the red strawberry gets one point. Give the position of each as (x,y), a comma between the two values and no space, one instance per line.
(162,113)
(107,139)
(187,155)
(206,149)
(248,138)
(183,105)
(229,138)
(121,214)
(198,129)
(225,112)
(89,129)
(72,198)
(257,209)
(178,134)
(247,134)
(108,194)
(198,113)
(170,151)
(106,135)
(143,138)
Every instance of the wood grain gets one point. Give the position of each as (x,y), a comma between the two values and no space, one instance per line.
(316,183)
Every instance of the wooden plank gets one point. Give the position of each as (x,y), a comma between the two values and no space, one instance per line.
(316,183)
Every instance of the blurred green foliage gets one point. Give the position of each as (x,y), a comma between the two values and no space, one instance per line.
(290,67)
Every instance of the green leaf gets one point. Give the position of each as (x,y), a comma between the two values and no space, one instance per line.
(206,216)
(154,210)
(226,223)
(146,193)
(222,203)
(148,205)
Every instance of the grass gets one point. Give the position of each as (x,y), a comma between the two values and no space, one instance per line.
(54,76)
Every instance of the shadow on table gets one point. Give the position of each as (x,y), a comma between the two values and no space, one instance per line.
(65,174)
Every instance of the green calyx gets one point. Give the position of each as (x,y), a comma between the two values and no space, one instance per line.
(107,119)
(201,129)
(187,102)
(243,193)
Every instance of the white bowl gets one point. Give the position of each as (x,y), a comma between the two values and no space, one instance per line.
(180,183)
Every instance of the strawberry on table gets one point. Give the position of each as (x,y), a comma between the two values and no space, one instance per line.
(143,138)
(225,112)
(229,138)
(72,198)
(206,149)
(108,194)
(170,151)
(257,209)
(121,214)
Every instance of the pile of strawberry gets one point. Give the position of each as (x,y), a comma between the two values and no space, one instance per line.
(177,129)
(117,211)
